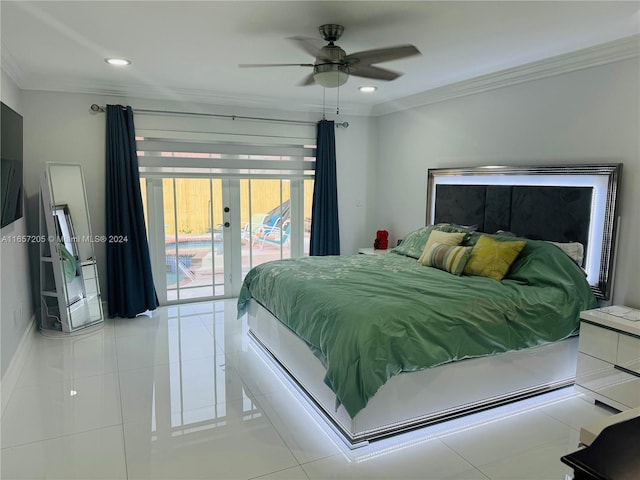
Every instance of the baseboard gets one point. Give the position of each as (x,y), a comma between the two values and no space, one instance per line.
(12,374)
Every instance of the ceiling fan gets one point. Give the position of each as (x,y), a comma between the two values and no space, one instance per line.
(333,66)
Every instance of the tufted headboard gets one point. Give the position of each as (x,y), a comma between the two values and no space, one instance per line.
(559,214)
(555,203)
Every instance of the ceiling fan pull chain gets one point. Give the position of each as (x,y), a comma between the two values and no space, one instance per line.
(338,101)
(324,93)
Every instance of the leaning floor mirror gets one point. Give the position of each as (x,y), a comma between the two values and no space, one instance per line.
(69,288)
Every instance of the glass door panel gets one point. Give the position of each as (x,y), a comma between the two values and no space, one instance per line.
(194,236)
(265,215)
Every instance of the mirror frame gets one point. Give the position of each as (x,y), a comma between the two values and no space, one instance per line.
(604,178)
(65,215)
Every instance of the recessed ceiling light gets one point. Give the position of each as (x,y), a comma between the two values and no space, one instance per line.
(368,89)
(118,61)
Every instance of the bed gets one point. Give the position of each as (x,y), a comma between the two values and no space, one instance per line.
(383,344)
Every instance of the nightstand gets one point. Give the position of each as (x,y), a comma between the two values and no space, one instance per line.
(373,251)
(609,356)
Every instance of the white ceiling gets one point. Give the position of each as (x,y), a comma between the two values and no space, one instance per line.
(183,49)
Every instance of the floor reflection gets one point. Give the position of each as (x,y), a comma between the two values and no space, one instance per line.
(201,392)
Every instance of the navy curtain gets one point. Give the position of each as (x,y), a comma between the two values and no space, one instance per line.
(130,289)
(325,233)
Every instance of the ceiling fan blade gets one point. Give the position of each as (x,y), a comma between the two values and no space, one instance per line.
(369,71)
(368,57)
(257,65)
(310,46)
(308,80)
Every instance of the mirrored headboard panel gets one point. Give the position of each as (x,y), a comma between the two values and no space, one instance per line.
(570,203)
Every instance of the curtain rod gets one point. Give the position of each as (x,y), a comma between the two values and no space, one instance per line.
(97,108)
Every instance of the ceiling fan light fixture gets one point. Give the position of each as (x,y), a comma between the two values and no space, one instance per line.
(330,75)
(332,66)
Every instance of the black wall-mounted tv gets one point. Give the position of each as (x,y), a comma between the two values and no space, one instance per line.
(11,147)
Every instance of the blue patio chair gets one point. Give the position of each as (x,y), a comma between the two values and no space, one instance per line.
(276,236)
(256,223)
(266,229)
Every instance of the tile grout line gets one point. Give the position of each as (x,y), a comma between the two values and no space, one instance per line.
(57,437)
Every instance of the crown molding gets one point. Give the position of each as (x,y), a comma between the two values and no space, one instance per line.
(153,92)
(617,50)
(11,67)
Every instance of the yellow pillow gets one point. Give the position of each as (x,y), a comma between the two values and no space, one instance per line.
(491,258)
(443,238)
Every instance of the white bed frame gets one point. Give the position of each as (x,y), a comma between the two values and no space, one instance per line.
(413,400)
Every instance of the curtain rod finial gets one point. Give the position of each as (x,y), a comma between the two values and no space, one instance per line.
(96,108)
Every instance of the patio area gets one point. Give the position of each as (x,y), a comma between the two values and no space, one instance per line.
(199,268)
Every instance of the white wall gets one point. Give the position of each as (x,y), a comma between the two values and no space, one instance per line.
(16,310)
(587,116)
(60,127)
(355,157)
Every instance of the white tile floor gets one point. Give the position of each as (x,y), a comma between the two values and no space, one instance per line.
(183,395)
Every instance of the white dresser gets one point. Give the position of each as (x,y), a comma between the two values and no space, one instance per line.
(609,356)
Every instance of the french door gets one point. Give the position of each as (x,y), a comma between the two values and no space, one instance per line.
(206,232)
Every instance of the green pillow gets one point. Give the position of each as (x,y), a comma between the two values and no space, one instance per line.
(492,258)
(414,242)
(449,258)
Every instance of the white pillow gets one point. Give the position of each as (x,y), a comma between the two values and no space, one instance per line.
(575,250)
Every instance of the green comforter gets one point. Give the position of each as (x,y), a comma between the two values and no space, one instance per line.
(369,318)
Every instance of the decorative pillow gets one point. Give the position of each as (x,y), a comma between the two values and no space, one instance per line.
(492,258)
(444,238)
(414,242)
(449,258)
(575,250)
